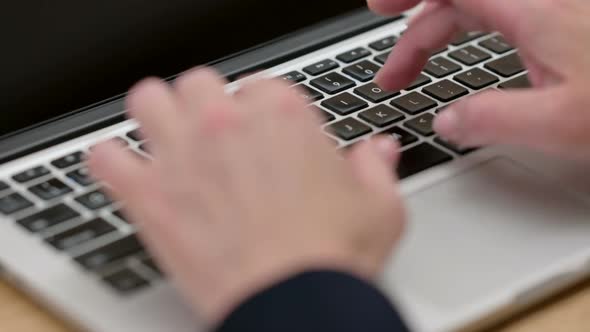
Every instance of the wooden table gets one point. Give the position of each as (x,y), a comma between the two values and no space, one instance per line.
(570,312)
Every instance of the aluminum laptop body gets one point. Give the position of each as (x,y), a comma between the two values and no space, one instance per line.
(491,231)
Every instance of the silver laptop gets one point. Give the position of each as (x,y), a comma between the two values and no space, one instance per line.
(492,230)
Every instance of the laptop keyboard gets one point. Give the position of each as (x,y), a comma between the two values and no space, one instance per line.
(60,203)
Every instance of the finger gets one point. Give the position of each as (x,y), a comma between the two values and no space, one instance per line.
(124,172)
(151,102)
(274,119)
(265,95)
(130,180)
(428,33)
(429,7)
(391,7)
(527,118)
(277,113)
(388,150)
(199,87)
(371,165)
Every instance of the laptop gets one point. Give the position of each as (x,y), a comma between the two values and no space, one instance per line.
(492,230)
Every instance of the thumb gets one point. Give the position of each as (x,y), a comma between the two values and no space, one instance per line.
(374,163)
(529,118)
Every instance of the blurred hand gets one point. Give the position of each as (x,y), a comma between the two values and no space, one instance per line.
(245,190)
(553,40)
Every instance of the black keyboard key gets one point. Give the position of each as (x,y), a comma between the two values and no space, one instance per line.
(31,174)
(497,44)
(441,67)
(382,58)
(419,81)
(507,66)
(52,216)
(50,189)
(332,83)
(445,90)
(149,262)
(414,103)
(69,160)
(440,50)
(470,55)
(81,176)
(94,200)
(476,78)
(324,116)
(403,137)
(112,252)
(465,37)
(384,43)
(3,186)
(126,281)
(520,82)
(381,116)
(353,55)
(13,203)
(135,135)
(321,67)
(453,147)
(422,124)
(119,214)
(309,94)
(373,93)
(420,158)
(80,234)
(363,71)
(344,104)
(349,129)
(293,77)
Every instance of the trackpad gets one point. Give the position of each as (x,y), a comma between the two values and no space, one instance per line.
(482,231)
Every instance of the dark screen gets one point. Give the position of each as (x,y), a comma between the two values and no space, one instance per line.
(60,55)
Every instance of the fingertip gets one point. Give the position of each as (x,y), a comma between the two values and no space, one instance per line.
(141,92)
(387,147)
(196,77)
(144,87)
(402,66)
(385,79)
(446,124)
(98,159)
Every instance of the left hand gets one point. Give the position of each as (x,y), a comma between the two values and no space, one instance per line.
(245,190)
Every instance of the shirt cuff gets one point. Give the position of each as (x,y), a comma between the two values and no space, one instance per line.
(316,301)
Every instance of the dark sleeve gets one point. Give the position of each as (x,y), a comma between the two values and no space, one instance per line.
(316,301)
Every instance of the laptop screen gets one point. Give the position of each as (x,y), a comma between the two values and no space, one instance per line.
(58,56)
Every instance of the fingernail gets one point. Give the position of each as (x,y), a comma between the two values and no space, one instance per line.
(447,124)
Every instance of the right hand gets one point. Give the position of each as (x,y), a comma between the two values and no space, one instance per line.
(553,38)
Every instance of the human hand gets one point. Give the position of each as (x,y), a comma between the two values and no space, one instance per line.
(245,190)
(554,43)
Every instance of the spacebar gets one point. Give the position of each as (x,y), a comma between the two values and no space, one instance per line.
(420,158)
